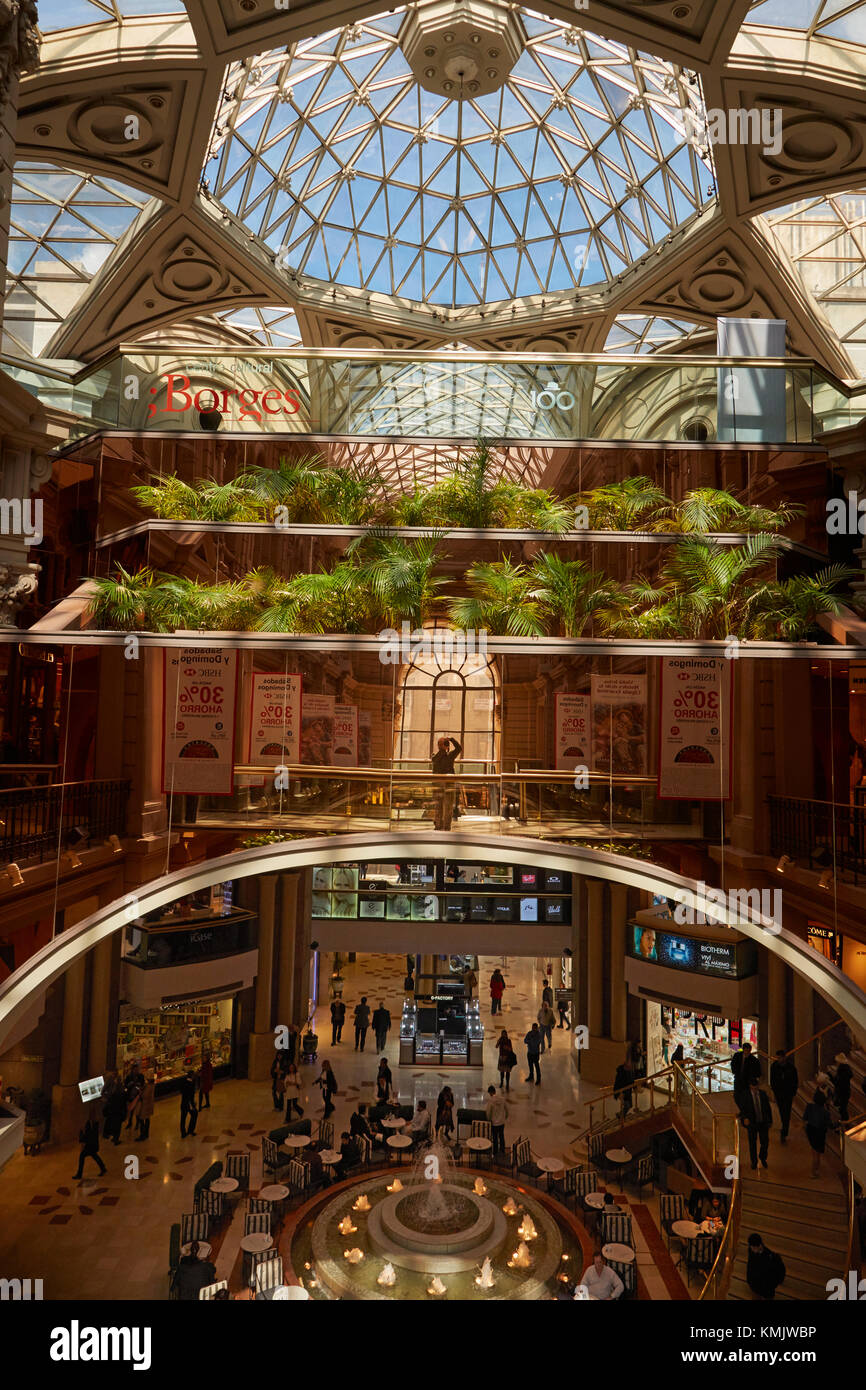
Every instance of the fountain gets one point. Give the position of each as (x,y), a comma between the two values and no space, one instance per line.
(441,1229)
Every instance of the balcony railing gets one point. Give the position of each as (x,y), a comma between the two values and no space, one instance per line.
(819,834)
(545,801)
(36,822)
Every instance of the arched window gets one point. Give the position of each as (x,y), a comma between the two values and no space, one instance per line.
(446,693)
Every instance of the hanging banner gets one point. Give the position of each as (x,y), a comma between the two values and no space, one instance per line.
(571,731)
(345,735)
(275,720)
(198,721)
(317,730)
(695,714)
(619,725)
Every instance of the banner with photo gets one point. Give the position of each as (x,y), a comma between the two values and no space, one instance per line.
(317,730)
(198,720)
(695,715)
(619,725)
(345,735)
(571,731)
(275,719)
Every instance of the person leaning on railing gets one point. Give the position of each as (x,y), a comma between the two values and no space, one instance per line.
(444,795)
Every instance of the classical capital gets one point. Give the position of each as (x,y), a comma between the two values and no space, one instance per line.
(18,584)
(19,43)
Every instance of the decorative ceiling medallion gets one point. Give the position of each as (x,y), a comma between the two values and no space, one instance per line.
(191,275)
(115,126)
(813,144)
(461,50)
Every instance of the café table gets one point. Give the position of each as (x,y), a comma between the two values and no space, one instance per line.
(550,1166)
(224,1185)
(614,1251)
(399,1142)
(274,1192)
(619,1157)
(296,1141)
(685,1230)
(256,1242)
(395,1122)
(330,1156)
(594,1200)
(204,1249)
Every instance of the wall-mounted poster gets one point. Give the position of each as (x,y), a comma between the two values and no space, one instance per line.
(619,725)
(346,735)
(198,720)
(317,730)
(275,720)
(571,731)
(695,712)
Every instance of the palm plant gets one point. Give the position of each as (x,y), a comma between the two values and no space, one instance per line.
(123,601)
(311,492)
(205,500)
(568,593)
(179,602)
(330,601)
(708,509)
(292,484)
(399,575)
(500,601)
(789,611)
(629,505)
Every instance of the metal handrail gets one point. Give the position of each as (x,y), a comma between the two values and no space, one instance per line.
(723,1263)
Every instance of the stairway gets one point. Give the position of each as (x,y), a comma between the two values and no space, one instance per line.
(807,1226)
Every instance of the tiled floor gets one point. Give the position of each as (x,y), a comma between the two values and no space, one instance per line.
(108,1237)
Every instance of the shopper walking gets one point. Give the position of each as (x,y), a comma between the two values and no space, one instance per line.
(338,1018)
(188,1110)
(841,1079)
(497,989)
(470,981)
(507,1060)
(132,1088)
(757,1117)
(448,750)
(745,1068)
(546,1021)
(362,1022)
(145,1108)
(205,1082)
(533,1041)
(497,1114)
(765,1269)
(547,994)
(278,1070)
(89,1140)
(113,1108)
(564,1022)
(292,1092)
(623,1085)
(381,1024)
(328,1083)
(445,1112)
(817,1121)
(784,1083)
(384,1082)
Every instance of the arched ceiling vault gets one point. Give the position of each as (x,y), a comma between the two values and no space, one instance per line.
(187,255)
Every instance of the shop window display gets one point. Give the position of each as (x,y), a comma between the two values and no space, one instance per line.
(174,1038)
(704,1037)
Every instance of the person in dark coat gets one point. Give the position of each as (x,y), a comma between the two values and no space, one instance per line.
(746,1068)
(624,1082)
(784,1083)
(384,1082)
(89,1138)
(362,1022)
(381,1021)
(841,1079)
(757,1117)
(205,1082)
(193,1274)
(188,1111)
(816,1118)
(765,1270)
(338,1018)
(113,1108)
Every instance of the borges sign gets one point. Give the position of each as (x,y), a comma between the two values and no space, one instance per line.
(251,403)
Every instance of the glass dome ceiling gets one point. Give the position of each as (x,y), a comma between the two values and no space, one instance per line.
(353,174)
(827,19)
(69,14)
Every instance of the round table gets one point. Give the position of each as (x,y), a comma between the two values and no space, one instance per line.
(290,1293)
(686,1230)
(478,1144)
(296,1141)
(594,1200)
(399,1142)
(550,1165)
(204,1249)
(330,1156)
(394,1122)
(276,1192)
(618,1156)
(224,1185)
(256,1242)
(623,1253)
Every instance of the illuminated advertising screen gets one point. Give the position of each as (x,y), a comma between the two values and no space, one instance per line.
(687,952)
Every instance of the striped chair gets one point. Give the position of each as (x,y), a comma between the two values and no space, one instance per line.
(212,1203)
(480,1129)
(616,1229)
(298,1178)
(595,1147)
(210,1291)
(326,1134)
(238,1166)
(272,1165)
(565,1188)
(194,1226)
(260,1206)
(644,1172)
(700,1252)
(523,1161)
(365,1149)
(173,1257)
(672,1207)
(586,1180)
(268,1272)
(257,1222)
(627,1271)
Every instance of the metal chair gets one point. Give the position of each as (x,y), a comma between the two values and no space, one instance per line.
(256,1260)
(173,1257)
(586,1180)
(616,1229)
(627,1271)
(481,1129)
(212,1203)
(645,1172)
(257,1222)
(194,1226)
(326,1134)
(672,1207)
(700,1251)
(524,1163)
(365,1149)
(210,1291)
(272,1165)
(238,1166)
(565,1188)
(260,1206)
(268,1272)
(298,1178)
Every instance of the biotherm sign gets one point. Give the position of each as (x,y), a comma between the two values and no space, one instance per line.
(207,397)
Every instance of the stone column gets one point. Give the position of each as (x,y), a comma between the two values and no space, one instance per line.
(100,1002)
(777,1005)
(594,952)
(19,54)
(286,959)
(261,1052)
(66,1106)
(618,991)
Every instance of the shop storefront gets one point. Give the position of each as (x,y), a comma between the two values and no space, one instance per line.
(177,1037)
(441,1025)
(703,1037)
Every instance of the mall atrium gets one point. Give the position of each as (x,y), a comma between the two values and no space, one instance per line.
(447,425)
